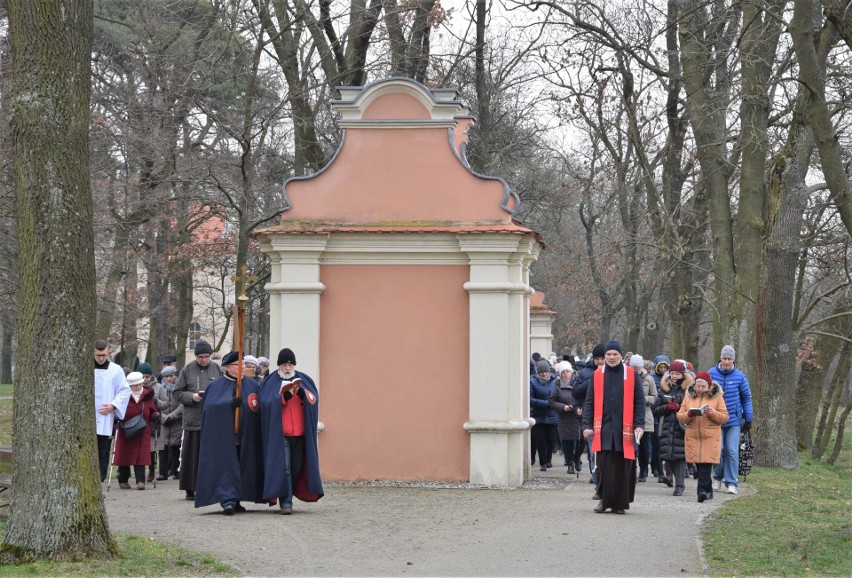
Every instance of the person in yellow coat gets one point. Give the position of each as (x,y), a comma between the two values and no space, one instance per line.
(703,412)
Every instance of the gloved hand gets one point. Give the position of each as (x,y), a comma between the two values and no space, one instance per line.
(672,406)
(301,393)
(746,426)
(155,417)
(288,395)
(236,402)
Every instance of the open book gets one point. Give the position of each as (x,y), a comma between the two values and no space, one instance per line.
(289,384)
(696,411)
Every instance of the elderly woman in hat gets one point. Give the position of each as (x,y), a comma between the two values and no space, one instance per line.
(172,426)
(673,388)
(703,412)
(136,450)
(562,400)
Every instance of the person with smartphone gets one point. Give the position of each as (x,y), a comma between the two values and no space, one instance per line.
(673,388)
(703,412)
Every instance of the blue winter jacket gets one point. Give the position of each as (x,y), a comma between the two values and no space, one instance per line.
(540,409)
(737,394)
(586,369)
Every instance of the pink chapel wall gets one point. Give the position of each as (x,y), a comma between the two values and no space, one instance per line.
(401,281)
(394,372)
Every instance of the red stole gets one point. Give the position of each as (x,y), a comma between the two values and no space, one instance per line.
(627,413)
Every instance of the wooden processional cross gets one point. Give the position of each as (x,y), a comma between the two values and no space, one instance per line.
(239,330)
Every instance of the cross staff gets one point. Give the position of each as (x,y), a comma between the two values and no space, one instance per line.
(240,333)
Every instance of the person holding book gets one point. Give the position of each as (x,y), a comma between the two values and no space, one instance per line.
(670,396)
(703,412)
(289,413)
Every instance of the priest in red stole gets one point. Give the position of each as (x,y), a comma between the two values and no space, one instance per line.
(613,416)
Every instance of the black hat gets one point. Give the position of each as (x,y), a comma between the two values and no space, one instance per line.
(614,345)
(599,350)
(168,358)
(286,355)
(230,358)
(203,347)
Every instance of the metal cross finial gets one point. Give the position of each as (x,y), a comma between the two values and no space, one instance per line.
(245,278)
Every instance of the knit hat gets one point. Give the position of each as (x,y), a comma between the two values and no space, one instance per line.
(263,361)
(168,358)
(562,366)
(599,350)
(168,370)
(286,355)
(145,368)
(614,346)
(636,360)
(135,378)
(705,376)
(543,366)
(678,366)
(203,347)
(250,359)
(230,357)
(728,352)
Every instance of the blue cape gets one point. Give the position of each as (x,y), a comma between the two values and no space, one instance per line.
(222,476)
(276,482)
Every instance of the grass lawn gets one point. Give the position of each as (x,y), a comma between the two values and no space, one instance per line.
(798,523)
(141,557)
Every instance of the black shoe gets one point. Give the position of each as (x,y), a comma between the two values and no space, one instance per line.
(596,496)
(162,478)
(190,495)
(678,491)
(570,469)
(642,479)
(619,512)
(668,481)
(175,477)
(239,508)
(228,510)
(542,469)
(548,465)
(702,496)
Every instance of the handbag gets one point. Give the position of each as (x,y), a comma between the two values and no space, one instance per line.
(746,454)
(131,427)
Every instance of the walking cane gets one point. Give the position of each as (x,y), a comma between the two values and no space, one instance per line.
(112,458)
(156,442)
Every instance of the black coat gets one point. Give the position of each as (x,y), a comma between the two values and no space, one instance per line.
(562,395)
(672,445)
(583,380)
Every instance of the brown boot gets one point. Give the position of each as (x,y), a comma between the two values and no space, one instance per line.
(140,485)
(124,485)
(151,476)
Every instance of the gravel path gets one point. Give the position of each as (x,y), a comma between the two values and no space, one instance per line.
(547,528)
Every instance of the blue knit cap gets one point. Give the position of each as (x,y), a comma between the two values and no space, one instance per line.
(614,345)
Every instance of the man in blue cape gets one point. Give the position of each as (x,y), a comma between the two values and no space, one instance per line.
(289,410)
(230,465)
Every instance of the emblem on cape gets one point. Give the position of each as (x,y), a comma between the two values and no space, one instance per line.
(252,402)
(312,399)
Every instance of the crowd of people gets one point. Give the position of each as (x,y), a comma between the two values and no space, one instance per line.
(229,433)
(633,416)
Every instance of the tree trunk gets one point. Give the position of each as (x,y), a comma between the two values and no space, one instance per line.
(806,18)
(775,339)
(831,404)
(838,440)
(57,510)
(808,394)
(6,351)
(108,302)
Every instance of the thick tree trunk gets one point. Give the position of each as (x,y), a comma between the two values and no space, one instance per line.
(57,509)
(775,339)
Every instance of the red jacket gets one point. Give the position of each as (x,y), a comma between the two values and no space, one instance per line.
(136,451)
(292,416)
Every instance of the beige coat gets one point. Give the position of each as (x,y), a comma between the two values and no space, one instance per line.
(703,438)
